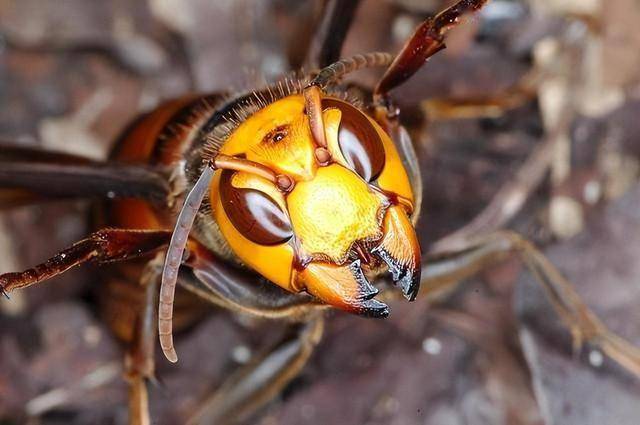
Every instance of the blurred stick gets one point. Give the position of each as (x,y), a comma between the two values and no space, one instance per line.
(512,195)
(61,396)
(558,112)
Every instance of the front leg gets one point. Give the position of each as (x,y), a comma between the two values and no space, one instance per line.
(103,246)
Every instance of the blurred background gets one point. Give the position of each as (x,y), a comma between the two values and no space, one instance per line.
(560,81)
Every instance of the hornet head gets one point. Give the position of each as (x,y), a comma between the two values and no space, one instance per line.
(323,204)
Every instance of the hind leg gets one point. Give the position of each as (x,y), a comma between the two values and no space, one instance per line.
(103,246)
(443,272)
(139,357)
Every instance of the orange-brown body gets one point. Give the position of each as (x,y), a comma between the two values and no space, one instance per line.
(160,136)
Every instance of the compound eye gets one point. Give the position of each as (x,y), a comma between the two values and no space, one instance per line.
(254,214)
(359,141)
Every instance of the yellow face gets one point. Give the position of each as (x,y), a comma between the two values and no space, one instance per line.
(343,218)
